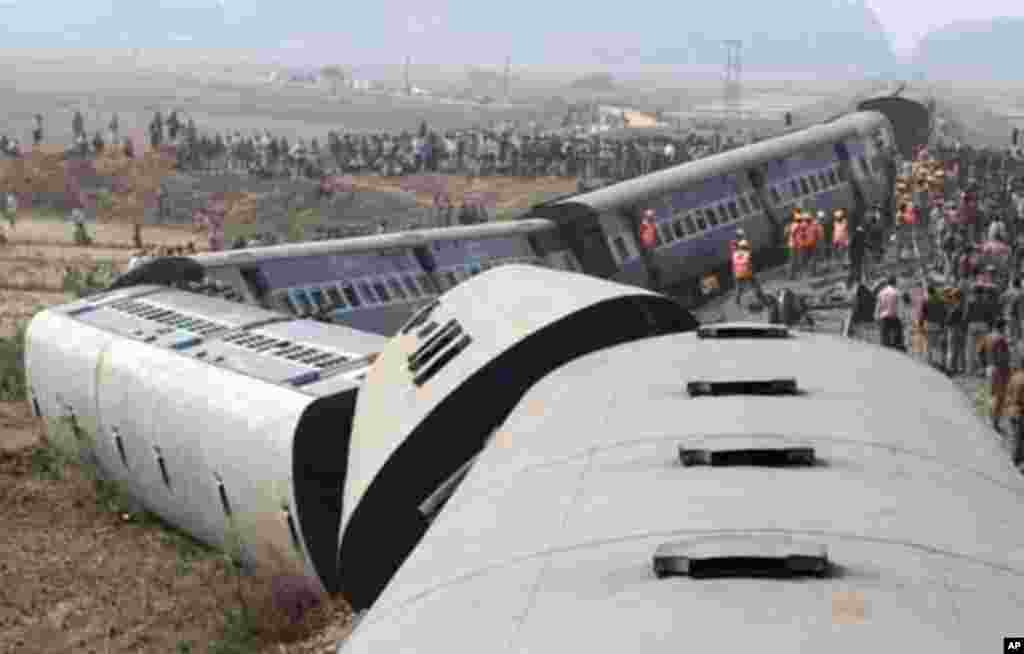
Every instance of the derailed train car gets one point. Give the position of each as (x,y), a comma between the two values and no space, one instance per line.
(234,423)
(739,488)
(698,207)
(375,283)
(228,421)
(911,116)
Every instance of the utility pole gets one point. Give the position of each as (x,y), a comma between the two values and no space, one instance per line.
(732,90)
(508,68)
(408,86)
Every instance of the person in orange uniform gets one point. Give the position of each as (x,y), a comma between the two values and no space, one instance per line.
(841,235)
(793,241)
(743,270)
(806,241)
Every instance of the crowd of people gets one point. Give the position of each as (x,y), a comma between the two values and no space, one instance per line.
(498,149)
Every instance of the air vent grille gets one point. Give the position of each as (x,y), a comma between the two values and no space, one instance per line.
(743,331)
(286,350)
(741,556)
(766,456)
(168,317)
(744,387)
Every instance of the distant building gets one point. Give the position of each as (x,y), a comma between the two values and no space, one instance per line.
(305,77)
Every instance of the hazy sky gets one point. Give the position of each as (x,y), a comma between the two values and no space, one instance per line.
(905,20)
(909,20)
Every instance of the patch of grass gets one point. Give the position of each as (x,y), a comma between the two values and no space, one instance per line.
(12,366)
(184,647)
(48,462)
(239,635)
(83,281)
(983,402)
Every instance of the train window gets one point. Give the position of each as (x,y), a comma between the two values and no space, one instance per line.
(776,196)
(823,180)
(813,181)
(755,201)
(382,292)
(318,298)
(335,296)
(351,295)
(804,186)
(794,188)
(744,205)
(290,303)
(425,283)
(677,229)
(367,293)
(832,177)
(734,211)
(702,224)
(410,286)
(711,217)
(305,306)
(620,248)
(841,173)
(665,233)
(396,288)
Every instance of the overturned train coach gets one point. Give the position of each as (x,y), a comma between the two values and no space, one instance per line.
(375,283)
(719,489)
(235,423)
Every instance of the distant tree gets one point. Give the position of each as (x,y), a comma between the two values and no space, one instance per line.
(335,75)
(595,82)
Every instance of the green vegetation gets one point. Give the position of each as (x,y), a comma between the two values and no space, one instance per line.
(82,282)
(299,220)
(12,366)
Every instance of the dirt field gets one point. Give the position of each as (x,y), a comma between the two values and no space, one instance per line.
(61,586)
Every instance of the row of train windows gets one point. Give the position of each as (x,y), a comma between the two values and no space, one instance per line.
(699,220)
(809,184)
(385,289)
(355,294)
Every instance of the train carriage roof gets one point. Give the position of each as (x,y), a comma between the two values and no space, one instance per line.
(665,181)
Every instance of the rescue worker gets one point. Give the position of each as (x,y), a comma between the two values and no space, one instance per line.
(995,354)
(820,248)
(790,236)
(743,271)
(841,236)
(887,315)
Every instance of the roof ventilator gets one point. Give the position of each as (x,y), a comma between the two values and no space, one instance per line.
(774,457)
(743,331)
(420,317)
(786,386)
(439,362)
(776,557)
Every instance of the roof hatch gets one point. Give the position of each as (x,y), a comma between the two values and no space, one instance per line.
(743,330)
(784,386)
(741,556)
(748,456)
